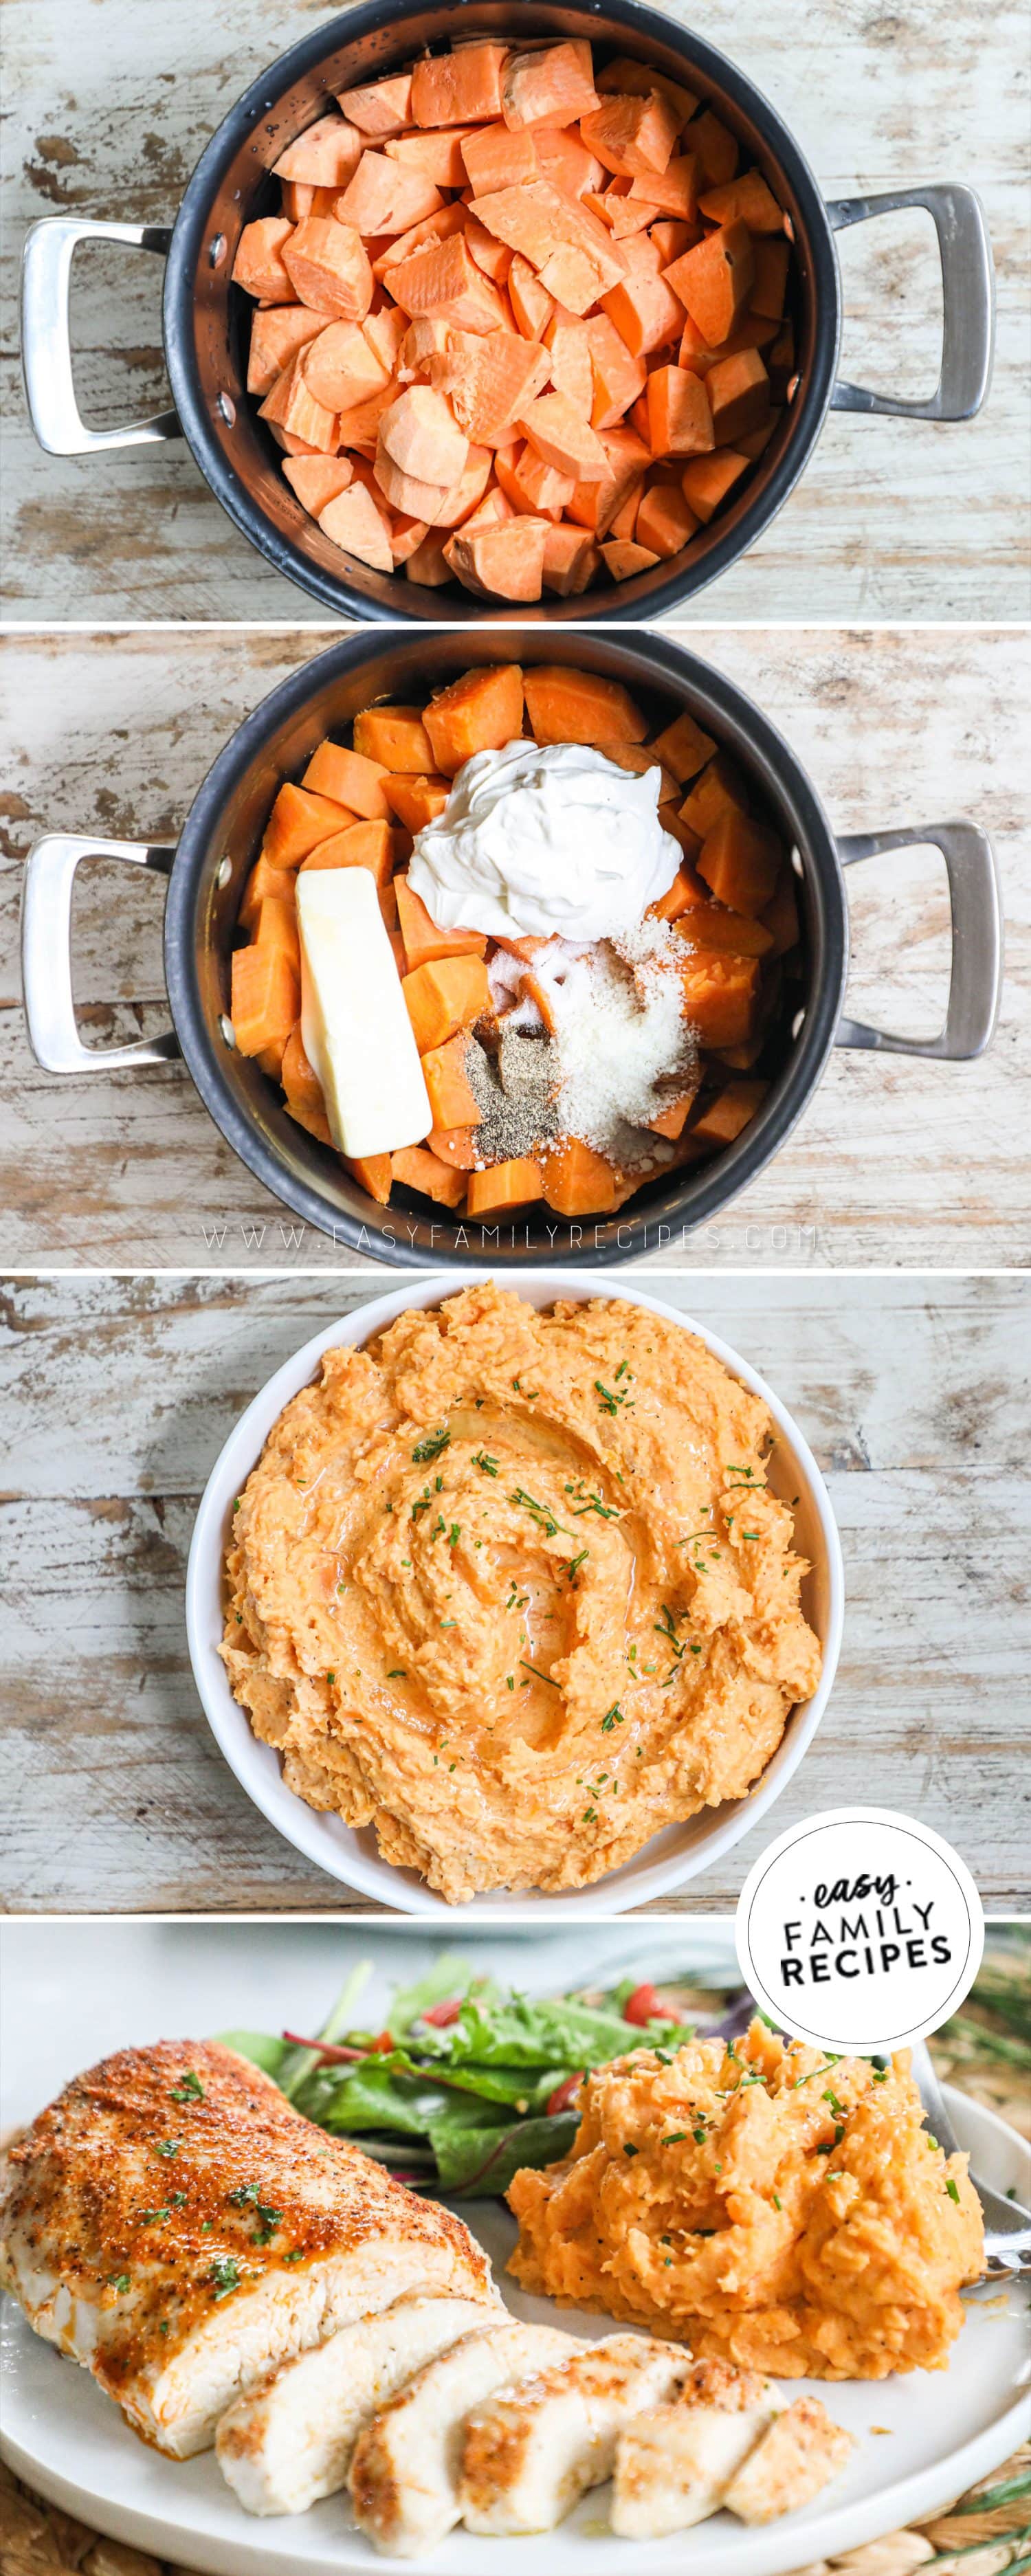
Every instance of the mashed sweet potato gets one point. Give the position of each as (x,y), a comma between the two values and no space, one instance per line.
(511,1588)
(784,2210)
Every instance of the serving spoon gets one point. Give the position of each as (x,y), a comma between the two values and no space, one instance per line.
(1007,2225)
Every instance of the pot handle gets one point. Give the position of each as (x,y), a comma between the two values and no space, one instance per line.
(968,301)
(46,278)
(975,981)
(46,926)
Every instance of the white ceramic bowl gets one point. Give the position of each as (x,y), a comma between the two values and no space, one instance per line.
(681,1851)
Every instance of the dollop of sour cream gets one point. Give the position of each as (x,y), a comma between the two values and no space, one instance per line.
(542,839)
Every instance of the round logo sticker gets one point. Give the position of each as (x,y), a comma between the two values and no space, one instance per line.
(859,1930)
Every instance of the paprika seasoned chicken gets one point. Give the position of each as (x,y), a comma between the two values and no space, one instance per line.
(172,2224)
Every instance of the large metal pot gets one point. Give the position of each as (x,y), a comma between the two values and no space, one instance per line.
(206,318)
(220,838)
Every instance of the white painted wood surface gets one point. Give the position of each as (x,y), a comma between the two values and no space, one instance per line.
(896,1161)
(118,1394)
(109,102)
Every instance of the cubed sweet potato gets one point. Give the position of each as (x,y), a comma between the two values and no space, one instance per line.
(424,943)
(706,480)
(360,845)
(732,1110)
(720,994)
(276,927)
(721,784)
(481,711)
(715,279)
(299,819)
(577,1181)
(683,747)
(265,998)
(393,738)
(351,778)
(713,925)
(739,396)
(417,800)
(265,880)
(740,859)
(504,1186)
(680,421)
(418,1169)
(451,1100)
(745,200)
(444,997)
(665,523)
(328,267)
(299,1078)
(373,1173)
(567,705)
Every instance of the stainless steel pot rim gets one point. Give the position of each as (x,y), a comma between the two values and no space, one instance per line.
(629,600)
(689,1201)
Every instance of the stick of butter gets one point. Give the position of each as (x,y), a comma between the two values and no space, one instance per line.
(357,1034)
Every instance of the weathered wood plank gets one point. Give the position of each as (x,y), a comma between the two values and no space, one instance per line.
(895,1162)
(117,1395)
(108,107)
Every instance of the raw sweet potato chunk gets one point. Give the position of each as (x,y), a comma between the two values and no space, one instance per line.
(265,999)
(275,926)
(680,420)
(713,925)
(504,562)
(564,705)
(576,1181)
(740,860)
(479,712)
(329,268)
(706,480)
(715,279)
(460,88)
(451,1100)
(445,997)
(351,777)
(746,200)
(496,246)
(739,396)
(720,786)
(424,943)
(324,155)
(420,1170)
(502,1186)
(299,1078)
(551,86)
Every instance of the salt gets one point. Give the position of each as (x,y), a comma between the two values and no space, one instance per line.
(621,1041)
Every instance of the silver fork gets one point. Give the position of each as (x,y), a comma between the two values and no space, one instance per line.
(1007,2225)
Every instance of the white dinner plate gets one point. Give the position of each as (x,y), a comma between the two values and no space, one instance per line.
(73,1991)
(672,1856)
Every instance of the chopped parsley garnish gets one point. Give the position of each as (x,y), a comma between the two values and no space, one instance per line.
(168,2147)
(154,2217)
(188,2089)
(431,1447)
(224,2276)
(119,2281)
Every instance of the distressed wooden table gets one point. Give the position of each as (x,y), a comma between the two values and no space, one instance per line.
(117,1395)
(896,1161)
(109,102)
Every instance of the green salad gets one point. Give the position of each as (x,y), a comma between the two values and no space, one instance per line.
(469,2080)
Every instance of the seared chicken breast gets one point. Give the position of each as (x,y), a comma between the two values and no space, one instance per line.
(799,2453)
(673,2463)
(403,2479)
(290,2441)
(172,2224)
(532,2451)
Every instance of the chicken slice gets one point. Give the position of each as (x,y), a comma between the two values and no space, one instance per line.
(797,2455)
(673,2464)
(403,2479)
(290,2441)
(172,2224)
(531,2451)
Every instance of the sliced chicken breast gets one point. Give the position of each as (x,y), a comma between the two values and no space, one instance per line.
(403,2479)
(290,2441)
(172,2224)
(531,2451)
(673,2464)
(800,2452)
